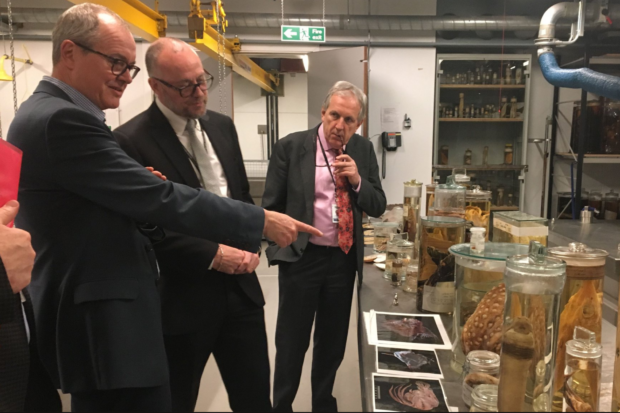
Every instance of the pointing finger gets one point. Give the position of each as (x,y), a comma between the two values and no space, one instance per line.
(301,227)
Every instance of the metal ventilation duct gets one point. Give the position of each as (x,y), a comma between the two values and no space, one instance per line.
(341,22)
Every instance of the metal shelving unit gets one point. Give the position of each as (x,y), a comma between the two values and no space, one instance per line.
(474,133)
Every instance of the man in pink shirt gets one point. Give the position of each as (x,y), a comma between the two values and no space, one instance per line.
(328,177)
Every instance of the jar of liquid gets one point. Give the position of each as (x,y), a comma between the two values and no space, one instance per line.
(485,155)
(396,273)
(596,202)
(611,205)
(467,160)
(481,367)
(484,398)
(581,304)
(411,279)
(508,154)
(582,373)
(534,285)
(398,248)
(383,233)
(500,197)
(443,155)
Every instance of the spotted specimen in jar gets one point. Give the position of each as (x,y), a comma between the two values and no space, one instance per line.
(483,330)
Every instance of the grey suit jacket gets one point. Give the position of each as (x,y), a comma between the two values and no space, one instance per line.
(290,189)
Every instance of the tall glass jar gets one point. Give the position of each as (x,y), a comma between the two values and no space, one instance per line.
(476,276)
(484,398)
(610,205)
(596,202)
(481,367)
(582,373)
(436,265)
(534,284)
(478,207)
(449,200)
(398,248)
(581,304)
(383,233)
(411,212)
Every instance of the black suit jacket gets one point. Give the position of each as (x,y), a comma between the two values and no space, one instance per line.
(184,260)
(290,189)
(94,288)
(14,351)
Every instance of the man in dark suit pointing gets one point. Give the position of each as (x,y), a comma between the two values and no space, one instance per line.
(326,176)
(212,302)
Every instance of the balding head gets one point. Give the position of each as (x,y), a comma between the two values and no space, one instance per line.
(162,54)
(173,65)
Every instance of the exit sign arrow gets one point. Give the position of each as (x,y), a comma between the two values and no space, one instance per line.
(302,34)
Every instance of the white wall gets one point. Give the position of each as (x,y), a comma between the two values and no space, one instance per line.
(250,111)
(404,78)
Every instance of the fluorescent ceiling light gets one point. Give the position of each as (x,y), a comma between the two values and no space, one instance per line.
(306,61)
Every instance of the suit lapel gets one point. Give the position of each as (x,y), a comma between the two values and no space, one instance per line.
(167,139)
(307,163)
(222,146)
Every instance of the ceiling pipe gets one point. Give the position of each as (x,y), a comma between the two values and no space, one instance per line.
(584,78)
(344,22)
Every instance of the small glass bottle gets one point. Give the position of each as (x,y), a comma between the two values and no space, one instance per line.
(500,196)
(478,78)
(470,77)
(477,240)
(485,155)
(481,367)
(495,79)
(611,201)
(582,376)
(596,201)
(510,200)
(467,160)
(411,279)
(484,398)
(508,154)
(397,270)
(443,155)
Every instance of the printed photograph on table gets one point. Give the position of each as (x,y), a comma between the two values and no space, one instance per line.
(410,331)
(406,362)
(404,394)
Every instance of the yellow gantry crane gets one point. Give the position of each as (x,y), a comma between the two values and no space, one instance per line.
(150,25)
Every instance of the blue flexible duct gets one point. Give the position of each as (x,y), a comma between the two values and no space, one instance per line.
(594,82)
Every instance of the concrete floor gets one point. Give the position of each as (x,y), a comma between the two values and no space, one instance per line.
(347,391)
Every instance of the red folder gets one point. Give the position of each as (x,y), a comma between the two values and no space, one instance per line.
(10,167)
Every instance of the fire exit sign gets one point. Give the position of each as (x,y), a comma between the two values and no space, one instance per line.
(303,34)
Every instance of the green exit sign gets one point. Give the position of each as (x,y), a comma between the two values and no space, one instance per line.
(303,34)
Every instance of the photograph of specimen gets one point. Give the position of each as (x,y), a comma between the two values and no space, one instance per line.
(410,331)
(410,363)
(404,394)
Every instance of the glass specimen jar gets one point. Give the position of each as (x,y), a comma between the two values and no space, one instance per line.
(508,154)
(398,248)
(449,199)
(467,158)
(478,207)
(481,367)
(383,233)
(534,284)
(444,153)
(519,227)
(476,276)
(582,373)
(430,197)
(411,212)
(610,205)
(436,265)
(596,201)
(581,303)
(484,398)
(411,279)
(396,272)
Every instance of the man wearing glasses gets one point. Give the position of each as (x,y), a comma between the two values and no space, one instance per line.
(212,302)
(97,308)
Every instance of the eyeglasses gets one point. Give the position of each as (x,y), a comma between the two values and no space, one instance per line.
(119,67)
(204,83)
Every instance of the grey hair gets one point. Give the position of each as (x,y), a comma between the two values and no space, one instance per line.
(80,24)
(155,49)
(344,88)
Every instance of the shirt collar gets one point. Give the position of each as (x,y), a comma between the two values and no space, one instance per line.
(325,143)
(78,98)
(178,123)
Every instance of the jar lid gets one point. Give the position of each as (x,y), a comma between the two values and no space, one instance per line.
(493,251)
(577,250)
(451,184)
(482,359)
(537,262)
(386,224)
(478,193)
(584,345)
(485,395)
(413,182)
(509,145)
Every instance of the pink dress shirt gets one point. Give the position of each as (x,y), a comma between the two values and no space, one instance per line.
(325,195)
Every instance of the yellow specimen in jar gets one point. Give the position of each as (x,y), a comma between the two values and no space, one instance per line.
(477,217)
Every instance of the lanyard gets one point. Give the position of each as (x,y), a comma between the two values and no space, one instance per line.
(329,168)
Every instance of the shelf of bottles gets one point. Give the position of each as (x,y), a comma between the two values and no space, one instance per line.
(481,122)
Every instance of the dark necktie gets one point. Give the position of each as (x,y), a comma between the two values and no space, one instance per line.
(345,213)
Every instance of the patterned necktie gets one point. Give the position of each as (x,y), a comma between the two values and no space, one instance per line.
(345,213)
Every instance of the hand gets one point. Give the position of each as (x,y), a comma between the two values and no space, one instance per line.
(15,249)
(232,259)
(157,173)
(346,166)
(283,230)
(249,264)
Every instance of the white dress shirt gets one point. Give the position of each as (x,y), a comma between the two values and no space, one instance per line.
(178,123)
